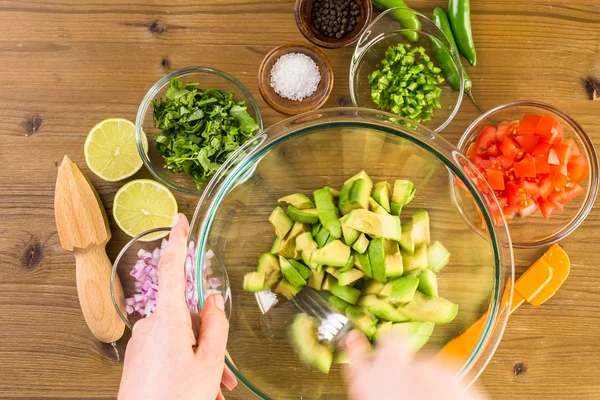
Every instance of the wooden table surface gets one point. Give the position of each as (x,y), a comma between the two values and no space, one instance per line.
(67,64)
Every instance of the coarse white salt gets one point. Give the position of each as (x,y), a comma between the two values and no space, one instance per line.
(295,76)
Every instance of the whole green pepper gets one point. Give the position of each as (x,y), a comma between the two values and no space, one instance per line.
(440,19)
(406,17)
(459,12)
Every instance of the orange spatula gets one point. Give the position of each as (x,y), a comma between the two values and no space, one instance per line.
(535,286)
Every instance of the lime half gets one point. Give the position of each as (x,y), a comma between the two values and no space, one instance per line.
(144,204)
(110,149)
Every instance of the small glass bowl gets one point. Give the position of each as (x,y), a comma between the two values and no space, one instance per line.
(208,78)
(384,32)
(535,231)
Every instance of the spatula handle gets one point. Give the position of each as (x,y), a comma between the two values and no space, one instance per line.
(93,287)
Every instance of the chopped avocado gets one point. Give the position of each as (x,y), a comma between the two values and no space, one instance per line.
(349,263)
(254,281)
(407,241)
(335,253)
(375,207)
(316,278)
(291,274)
(386,291)
(416,334)
(382,328)
(328,282)
(334,192)
(350,276)
(361,244)
(315,229)
(322,237)
(360,193)
(276,246)
(273,279)
(328,212)
(297,200)
(439,256)
(382,309)
(393,259)
(404,192)
(338,304)
(420,229)
(329,240)
(428,283)
(281,222)
(396,209)
(286,289)
(304,241)
(372,287)
(350,234)
(361,320)
(382,192)
(361,175)
(305,341)
(287,245)
(403,289)
(268,263)
(418,261)
(375,225)
(307,216)
(377,258)
(361,261)
(302,269)
(346,293)
(333,271)
(344,202)
(432,309)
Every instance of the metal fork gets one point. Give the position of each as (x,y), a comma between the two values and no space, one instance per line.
(333,326)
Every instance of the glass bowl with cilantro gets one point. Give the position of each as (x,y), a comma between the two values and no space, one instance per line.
(194,120)
(410,72)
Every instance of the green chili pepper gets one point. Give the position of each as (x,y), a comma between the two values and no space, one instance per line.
(440,19)
(406,17)
(459,12)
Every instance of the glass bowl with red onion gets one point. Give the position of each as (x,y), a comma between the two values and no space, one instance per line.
(137,267)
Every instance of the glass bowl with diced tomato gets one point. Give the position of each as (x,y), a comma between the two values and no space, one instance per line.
(542,167)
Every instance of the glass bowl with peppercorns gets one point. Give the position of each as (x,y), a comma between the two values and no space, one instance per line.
(404,64)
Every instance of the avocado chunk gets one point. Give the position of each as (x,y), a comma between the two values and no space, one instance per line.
(439,256)
(403,289)
(302,269)
(315,229)
(328,282)
(307,216)
(346,293)
(268,263)
(304,339)
(361,320)
(416,334)
(273,279)
(428,283)
(322,237)
(276,246)
(377,259)
(338,304)
(418,261)
(281,222)
(372,287)
(316,278)
(287,245)
(348,277)
(382,192)
(334,192)
(430,309)
(382,309)
(361,261)
(420,228)
(361,244)
(382,328)
(306,245)
(349,263)
(254,281)
(333,271)
(404,192)
(375,225)
(344,201)
(291,274)
(286,289)
(297,200)
(360,193)
(335,253)
(407,242)
(386,291)
(350,234)
(393,259)
(328,212)
(376,208)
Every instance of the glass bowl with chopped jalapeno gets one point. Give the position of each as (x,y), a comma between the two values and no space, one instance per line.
(404,64)
(356,204)
(194,119)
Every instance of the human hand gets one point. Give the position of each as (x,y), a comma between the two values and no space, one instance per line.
(165,359)
(391,372)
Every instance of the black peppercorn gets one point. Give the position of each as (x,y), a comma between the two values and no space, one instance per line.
(334,18)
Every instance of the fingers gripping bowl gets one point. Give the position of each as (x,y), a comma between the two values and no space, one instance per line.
(318,149)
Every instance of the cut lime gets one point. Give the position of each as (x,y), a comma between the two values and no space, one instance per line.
(110,149)
(144,204)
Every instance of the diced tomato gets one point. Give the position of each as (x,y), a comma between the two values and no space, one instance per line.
(510,148)
(472,151)
(578,169)
(510,212)
(529,123)
(514,194)
(546,188)
(486,137)
(546,208)
(559,169)
(506,128)
(557,133)
(505,162)
(544,127)
(527,208)
(563,151)
(575,152)
(541,165)
(492,151)
(525,169)
(553,157)
(541,150)
(503,201)
(528,142)
(572,192)
(557,200)
(559,180)
(495,178)
(530,187)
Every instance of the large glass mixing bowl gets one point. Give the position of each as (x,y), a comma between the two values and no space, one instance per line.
(310,151)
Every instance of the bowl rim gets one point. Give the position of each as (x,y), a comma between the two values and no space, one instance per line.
(361,49)
(590,152)
(497,315)
(151,94)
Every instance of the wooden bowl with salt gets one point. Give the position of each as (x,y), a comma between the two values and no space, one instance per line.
(285,105)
